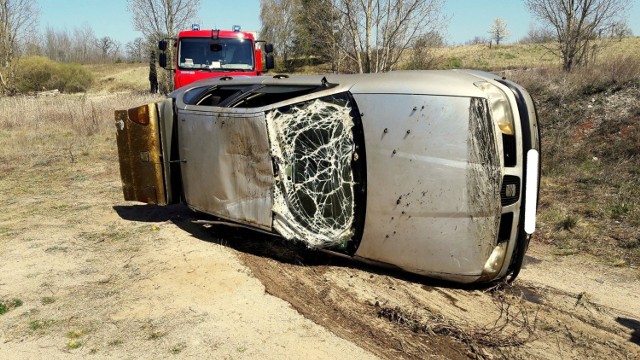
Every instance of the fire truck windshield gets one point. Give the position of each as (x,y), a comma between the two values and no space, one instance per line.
(222,54)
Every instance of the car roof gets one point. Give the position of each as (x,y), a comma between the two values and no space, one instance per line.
(424,82)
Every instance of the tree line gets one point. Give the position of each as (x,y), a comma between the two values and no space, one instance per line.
(19,37)
(82,46)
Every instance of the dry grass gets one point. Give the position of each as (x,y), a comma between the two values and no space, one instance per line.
(590,199)
(523,56)
(60,129)
(123,77)
(502,57)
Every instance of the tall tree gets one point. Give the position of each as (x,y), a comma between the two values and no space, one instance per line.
(84,45)
(576,24)
(157,19)
(317,33)
(57,45)
(498,30)
(16,17)
(277,17)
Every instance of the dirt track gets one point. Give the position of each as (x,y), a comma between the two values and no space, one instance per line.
(97,277)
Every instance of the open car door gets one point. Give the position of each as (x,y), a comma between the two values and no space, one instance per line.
(142,138)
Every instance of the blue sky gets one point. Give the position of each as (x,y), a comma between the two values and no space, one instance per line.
(467,18)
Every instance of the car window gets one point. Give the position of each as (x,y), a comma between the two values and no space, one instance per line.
(248,96)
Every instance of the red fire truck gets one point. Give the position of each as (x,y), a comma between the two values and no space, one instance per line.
(202,54)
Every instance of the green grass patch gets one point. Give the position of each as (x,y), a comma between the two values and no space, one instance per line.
(37,73)
(568,223)
(6,306)
(454,63)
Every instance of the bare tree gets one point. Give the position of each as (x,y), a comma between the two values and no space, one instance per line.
(84,45)
(79,45)
(16,18)
(158,19)
(136,49)
(106,45)
(477,40)
(378,32)
(57,45)
(576,24)
(422,55)
(537,35)
(620,30)
(498,30)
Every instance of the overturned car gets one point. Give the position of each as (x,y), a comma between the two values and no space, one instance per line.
(433,172)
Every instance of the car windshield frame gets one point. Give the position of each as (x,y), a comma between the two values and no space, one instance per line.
(221,54)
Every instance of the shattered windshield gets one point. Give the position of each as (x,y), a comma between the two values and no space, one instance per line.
(216,54)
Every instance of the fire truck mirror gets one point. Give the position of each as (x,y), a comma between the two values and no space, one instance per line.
(268,48)
(162,45)
(162,60)
(271,63)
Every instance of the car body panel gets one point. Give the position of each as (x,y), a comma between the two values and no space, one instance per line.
(424,173)
(226,165)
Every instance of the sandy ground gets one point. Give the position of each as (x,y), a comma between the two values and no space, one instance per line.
(122,289)
(84,274)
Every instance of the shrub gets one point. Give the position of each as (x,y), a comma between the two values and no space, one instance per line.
(37,73)
(455,63)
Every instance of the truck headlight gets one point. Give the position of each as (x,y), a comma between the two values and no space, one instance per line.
(500,108)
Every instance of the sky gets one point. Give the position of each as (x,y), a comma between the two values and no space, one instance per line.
(466,18)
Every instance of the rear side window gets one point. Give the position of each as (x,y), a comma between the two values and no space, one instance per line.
(212,95)
(248,96)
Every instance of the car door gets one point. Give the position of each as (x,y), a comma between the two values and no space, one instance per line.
(143,133)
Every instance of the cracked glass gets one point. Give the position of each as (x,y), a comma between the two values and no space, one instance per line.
(312,148)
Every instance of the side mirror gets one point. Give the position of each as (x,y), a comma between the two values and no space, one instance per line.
(268,48)
(162,60)
(162,45)
(271,63)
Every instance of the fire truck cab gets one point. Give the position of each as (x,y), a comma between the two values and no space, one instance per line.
(202,54)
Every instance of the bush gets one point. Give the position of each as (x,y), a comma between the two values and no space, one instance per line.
(37,73)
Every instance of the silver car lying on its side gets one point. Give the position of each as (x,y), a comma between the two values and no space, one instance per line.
(433,172)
